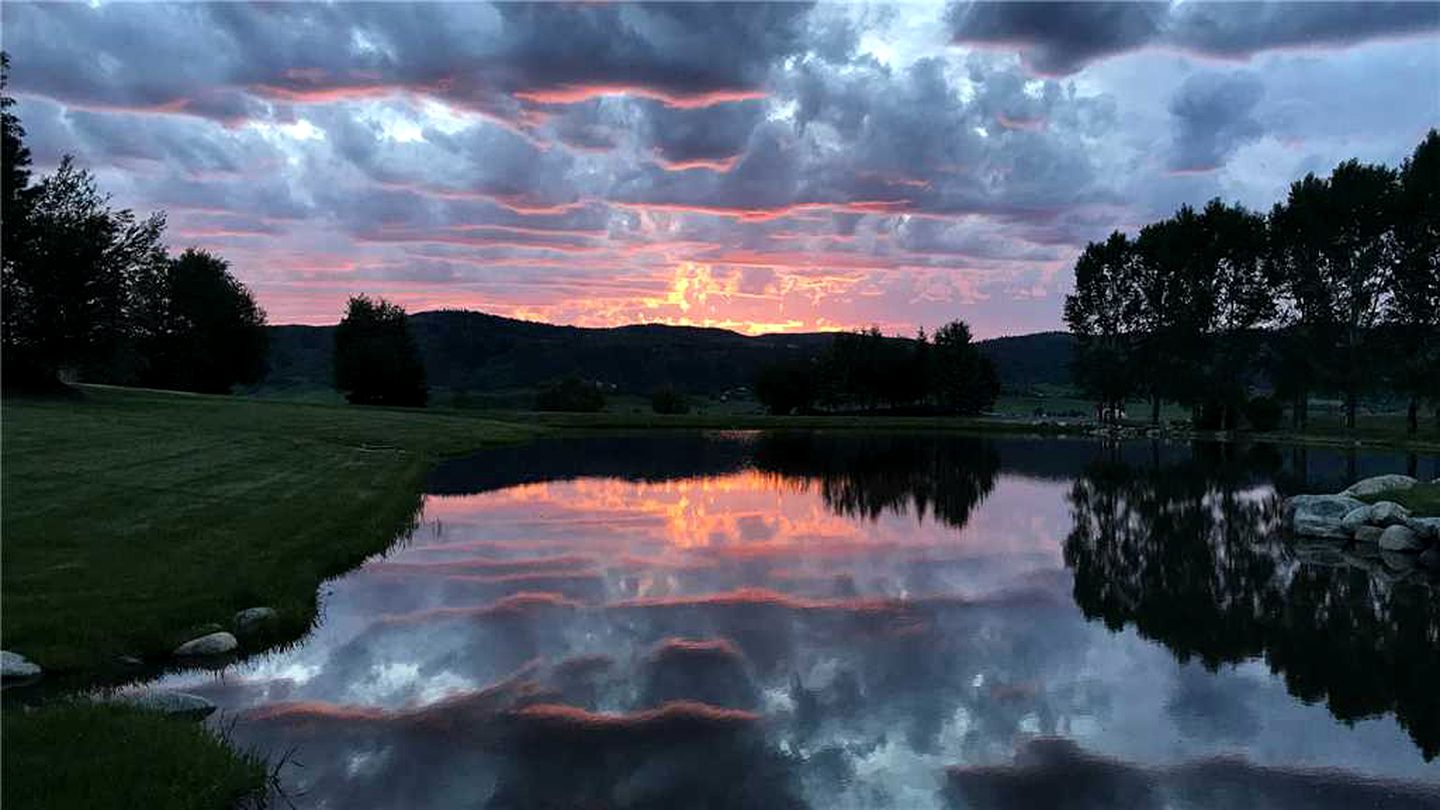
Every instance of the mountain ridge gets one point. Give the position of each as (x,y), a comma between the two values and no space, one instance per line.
(466,350)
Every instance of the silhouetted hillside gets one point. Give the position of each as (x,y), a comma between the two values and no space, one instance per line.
(473,351)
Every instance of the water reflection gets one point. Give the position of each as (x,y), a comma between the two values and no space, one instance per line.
(834,621)
(1189,554)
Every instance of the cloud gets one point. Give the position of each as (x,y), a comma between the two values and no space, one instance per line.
(1059,39)
(1214,115)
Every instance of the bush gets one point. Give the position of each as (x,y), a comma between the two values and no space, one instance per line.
(570,394)
(670,400)
(1264,413)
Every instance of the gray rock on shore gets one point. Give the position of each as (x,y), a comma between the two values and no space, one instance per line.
(1368,534)
(178,704)
(212,644)
(1321,515)
(251,619)
(1379,483)
(1400,538)
(15,666)
(1427,527)
(1387,513)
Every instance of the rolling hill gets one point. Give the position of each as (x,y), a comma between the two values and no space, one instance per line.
(474,351)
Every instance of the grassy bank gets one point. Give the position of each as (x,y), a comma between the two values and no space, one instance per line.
(1421,499)
(84,756)
(134,520)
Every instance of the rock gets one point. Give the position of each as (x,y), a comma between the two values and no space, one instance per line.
(1400,538)
(1368,534)
(1430,558)
(1387,513)
(1427,527)
(15,665)
(1398,562)
(1356,518)
(1378,484)
(179,704)
(251,619)
(213,644)
(1320,515)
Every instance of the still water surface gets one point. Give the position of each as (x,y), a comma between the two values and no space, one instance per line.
(811,620)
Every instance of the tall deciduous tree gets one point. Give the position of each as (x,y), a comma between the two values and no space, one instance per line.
(1335,242)
(965,380)
(376,359)
(1099,313)
(80,277)
(209,333)
(1414,311)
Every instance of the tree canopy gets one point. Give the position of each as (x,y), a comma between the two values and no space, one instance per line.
(376,360)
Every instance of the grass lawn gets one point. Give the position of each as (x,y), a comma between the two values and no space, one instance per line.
(1423,500)
(133,520)
(85,756)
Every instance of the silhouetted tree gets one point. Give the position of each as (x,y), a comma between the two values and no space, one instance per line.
(570,394)
(77,283)
(376,360)
(787,386)
(1414,311)
(210,334)
(1334,241)
(1102,316)
(965,380)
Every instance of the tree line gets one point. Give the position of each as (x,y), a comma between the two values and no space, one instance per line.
(1336,290)
(91,291)
(865,371)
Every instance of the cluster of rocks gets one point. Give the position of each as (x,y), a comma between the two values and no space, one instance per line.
(16,669)
(1387,525)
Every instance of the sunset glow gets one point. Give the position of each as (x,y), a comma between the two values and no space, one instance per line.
(745,167)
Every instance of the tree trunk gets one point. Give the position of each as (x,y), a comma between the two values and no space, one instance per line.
(1412,417)
(1155,409)
(1350,399)
(1412,465)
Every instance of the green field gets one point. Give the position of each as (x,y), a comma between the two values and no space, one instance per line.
(135,519)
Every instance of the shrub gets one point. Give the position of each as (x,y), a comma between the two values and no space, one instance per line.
(570,394)
(670,400)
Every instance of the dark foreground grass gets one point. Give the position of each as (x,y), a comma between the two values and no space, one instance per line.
(60,757)
(133,520)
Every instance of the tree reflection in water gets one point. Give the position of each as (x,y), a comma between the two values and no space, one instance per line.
(865,475)
(1191,555)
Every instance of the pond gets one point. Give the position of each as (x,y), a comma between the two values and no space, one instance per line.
(860,620)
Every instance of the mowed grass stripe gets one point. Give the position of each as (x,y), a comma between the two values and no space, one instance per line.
(133,519)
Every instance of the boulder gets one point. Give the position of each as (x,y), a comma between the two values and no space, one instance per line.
(1400,538)
(15,665)
(1430,558)
(1427,527)
(1388,513)
(1399,562)
(178,704)
(1356,518)
(1368,534)
(1320,515)
(212,644)
(251,619)
(1378,484)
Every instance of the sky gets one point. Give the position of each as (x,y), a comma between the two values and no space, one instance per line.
(764,168)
